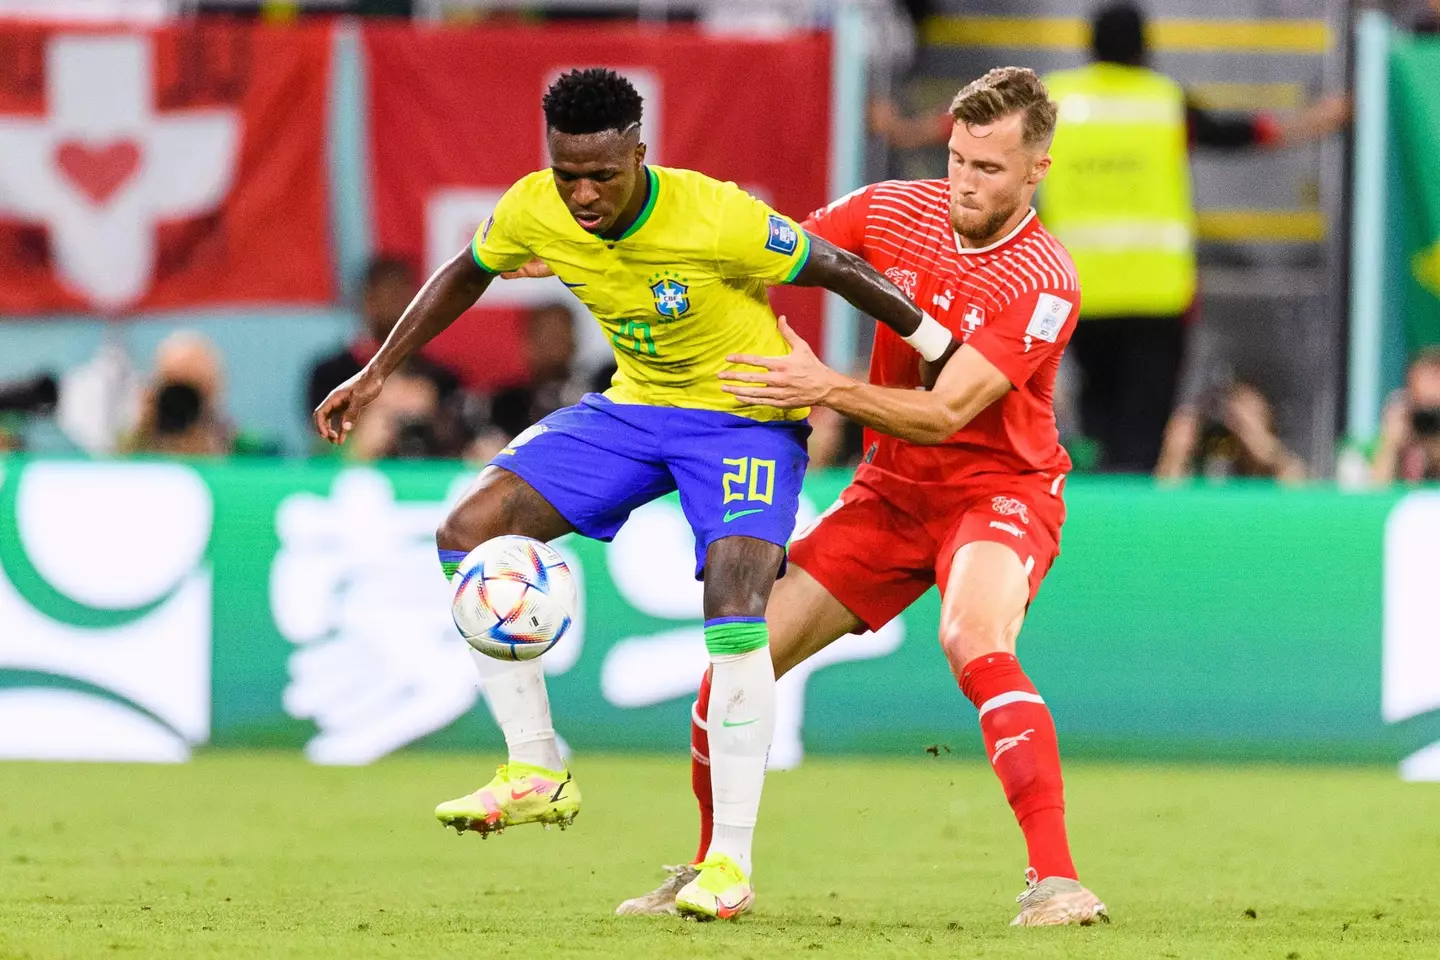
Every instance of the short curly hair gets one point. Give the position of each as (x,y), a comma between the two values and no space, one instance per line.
(592,101)
(1002,92)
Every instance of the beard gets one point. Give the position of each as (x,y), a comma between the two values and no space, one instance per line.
(983,233)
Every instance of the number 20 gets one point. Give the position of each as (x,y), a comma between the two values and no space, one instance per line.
(749,469)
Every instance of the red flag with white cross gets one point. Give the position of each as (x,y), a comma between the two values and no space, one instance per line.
(158,169)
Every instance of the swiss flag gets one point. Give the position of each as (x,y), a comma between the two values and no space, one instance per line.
(170,168)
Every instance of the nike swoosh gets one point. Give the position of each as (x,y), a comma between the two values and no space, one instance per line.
(741,513)
(742,723)
(522,794)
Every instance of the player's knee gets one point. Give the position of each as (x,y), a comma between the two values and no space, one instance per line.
(967,636)
(469,524)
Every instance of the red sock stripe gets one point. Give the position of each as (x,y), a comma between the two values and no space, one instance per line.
(700,767)
(988,676)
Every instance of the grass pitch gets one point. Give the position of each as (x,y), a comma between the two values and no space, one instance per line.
(262,855)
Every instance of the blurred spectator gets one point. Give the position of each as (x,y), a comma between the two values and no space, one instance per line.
(1119,196)
(422,418)
(552,381)
(399,424)
(1409,446)
(1427,19)
(1234,437)
(182,409)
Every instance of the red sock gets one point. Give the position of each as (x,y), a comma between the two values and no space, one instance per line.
(700,766)
(1021,744)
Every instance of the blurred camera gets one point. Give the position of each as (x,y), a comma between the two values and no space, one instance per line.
(1425,421)
(414,439)
(178,407)
(36,395)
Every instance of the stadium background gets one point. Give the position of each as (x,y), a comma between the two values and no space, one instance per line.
(156,609)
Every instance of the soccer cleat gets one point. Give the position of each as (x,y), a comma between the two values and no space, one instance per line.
(661,900)
(1057,901)
(520,793)
(720,891)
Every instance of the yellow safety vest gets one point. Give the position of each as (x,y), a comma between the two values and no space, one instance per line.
(1118,191)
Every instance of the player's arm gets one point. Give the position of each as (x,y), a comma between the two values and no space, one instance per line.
(967,385)
(498,246)
(755,242)
(842,272)
(449,292)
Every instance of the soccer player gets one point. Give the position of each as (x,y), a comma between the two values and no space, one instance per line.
(962,485)
(674,266)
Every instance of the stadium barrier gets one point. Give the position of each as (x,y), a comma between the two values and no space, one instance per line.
(150,608)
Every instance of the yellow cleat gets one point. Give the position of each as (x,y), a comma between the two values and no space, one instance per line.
(520,793)
(720,891)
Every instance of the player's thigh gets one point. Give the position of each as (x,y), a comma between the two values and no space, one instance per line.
(983,602)
(868,558)
(580,466)
(990,567)
(499,503)
(737,478)
(804,619)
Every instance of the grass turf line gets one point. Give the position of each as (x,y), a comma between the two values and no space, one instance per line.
(261,855)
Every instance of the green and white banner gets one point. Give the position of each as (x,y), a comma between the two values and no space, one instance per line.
(148,609)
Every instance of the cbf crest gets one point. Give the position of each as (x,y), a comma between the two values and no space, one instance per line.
(672,295)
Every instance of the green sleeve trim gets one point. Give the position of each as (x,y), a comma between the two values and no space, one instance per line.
(475,255)
(729,639)
(654,180)
(801,260)
(450,568)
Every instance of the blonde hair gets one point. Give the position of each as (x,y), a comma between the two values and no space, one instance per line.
(1005,91)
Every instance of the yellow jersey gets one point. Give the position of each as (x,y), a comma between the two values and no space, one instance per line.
(683,287)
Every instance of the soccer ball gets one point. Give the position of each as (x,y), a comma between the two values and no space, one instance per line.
(514,598)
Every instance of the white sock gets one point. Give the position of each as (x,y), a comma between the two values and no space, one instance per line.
(741,723)
(515,691)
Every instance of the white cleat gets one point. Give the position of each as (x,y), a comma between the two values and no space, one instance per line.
(1057,901)
(660,901)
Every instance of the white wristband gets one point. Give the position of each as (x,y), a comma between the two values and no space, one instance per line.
(930,339)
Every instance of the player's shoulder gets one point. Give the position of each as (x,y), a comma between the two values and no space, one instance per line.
(694,186)
(533,187)
(1042,241)
(531,201)
(1035,262)
(916,194)
(912,197)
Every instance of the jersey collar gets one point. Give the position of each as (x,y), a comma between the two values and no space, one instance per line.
(971,251)
(653,179)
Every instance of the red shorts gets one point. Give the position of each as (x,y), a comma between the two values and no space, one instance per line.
(877,552)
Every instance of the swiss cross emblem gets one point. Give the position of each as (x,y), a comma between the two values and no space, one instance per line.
(104,167)
(973,320)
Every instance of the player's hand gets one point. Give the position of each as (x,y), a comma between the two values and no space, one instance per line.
(533,269)
(336,415)
(1395,422)
(797,379)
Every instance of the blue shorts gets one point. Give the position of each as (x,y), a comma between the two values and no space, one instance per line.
(597,461)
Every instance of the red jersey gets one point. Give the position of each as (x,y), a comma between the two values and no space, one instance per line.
(1016,301)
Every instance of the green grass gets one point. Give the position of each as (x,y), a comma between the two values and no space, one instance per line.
(261,855)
